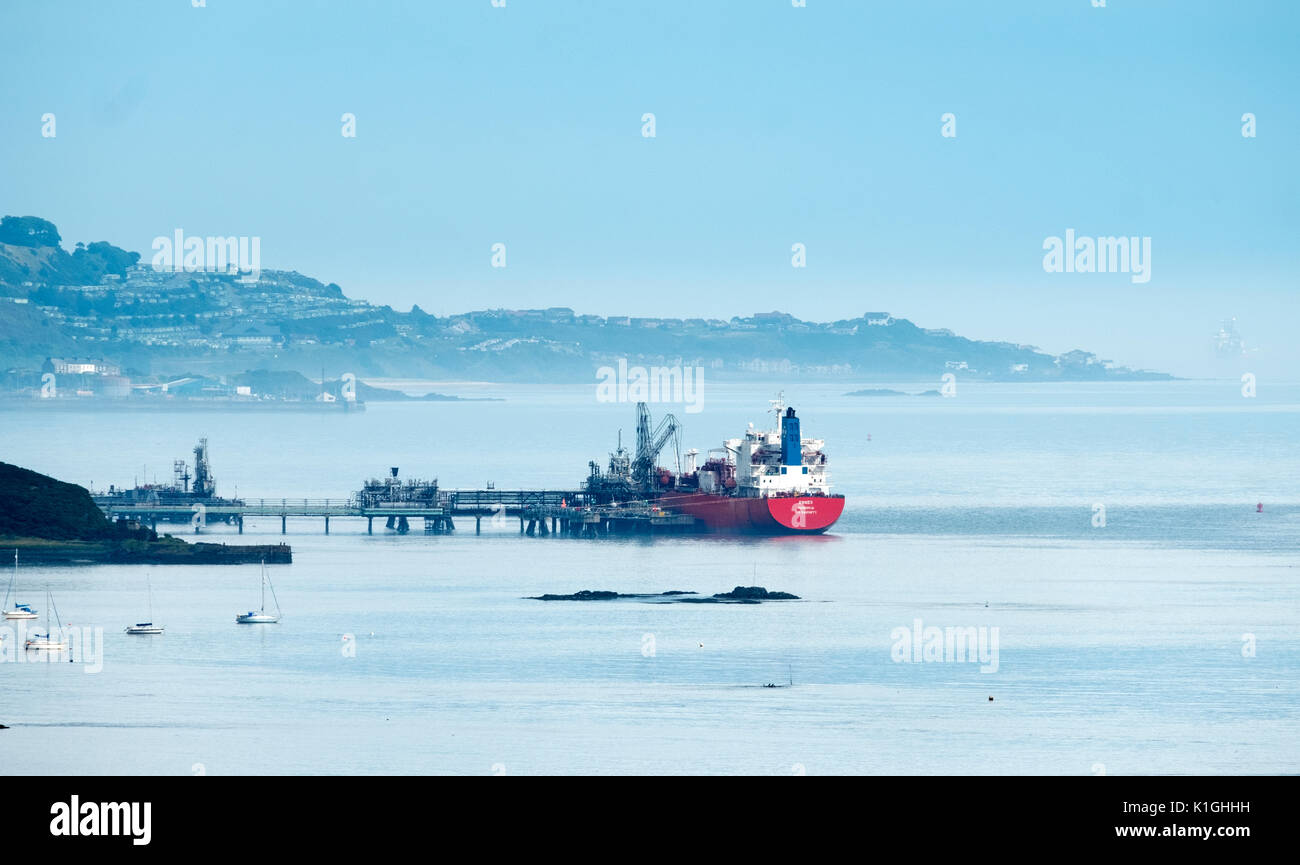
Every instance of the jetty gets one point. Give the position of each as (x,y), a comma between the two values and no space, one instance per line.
(539,512)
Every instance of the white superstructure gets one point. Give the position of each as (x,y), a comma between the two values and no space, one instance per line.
(766,463)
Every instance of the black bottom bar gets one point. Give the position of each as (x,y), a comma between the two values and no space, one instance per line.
(981,816)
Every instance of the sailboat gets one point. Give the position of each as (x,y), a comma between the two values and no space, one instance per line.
(262,617)
(146,627)
(17,611)
(47,641)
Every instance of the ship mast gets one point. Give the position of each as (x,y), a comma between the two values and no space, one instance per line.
(778,406)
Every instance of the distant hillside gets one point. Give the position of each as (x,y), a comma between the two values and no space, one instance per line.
(30,251)
(33,505)
(24,328)
(101,302)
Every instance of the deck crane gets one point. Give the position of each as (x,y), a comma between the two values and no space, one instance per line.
(648,445)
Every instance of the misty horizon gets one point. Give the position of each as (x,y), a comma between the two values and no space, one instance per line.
(931,198)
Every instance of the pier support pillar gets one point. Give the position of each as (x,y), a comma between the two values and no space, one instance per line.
(284,523)
(521,524)
(478,525)
(327,525)
(541,527)
(370,525)
(241,524)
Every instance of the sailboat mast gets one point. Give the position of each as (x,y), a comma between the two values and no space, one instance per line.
(10,587)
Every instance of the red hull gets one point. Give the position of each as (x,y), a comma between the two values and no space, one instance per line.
(774,515)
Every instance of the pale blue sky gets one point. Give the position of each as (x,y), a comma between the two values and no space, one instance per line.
(775,125)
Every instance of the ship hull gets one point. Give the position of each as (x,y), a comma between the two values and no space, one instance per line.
(772,515)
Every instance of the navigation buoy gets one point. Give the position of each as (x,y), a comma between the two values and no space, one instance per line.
(1259,508)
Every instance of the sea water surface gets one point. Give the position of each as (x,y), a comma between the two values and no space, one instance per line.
(1162,641)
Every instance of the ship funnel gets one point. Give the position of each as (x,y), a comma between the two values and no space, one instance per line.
(393,469)
(791,443)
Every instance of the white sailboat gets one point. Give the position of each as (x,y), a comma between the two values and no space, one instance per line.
(262,617)
(48,641)
(17,611)
(146,627)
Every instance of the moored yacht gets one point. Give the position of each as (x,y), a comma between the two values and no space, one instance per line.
(17,611)
(48,641)
(261,616)
(146,627)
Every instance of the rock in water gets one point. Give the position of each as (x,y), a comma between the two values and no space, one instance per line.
(755,593)
(584,595)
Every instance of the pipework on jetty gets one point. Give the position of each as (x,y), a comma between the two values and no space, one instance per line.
(397,502)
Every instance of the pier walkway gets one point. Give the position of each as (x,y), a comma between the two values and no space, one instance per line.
(540,512)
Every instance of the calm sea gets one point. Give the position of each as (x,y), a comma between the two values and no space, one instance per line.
(1160,642)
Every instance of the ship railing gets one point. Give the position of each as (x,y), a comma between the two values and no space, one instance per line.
(776,470)
(296,503)
(403,506)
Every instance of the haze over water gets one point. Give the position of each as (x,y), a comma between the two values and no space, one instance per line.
(1120,647)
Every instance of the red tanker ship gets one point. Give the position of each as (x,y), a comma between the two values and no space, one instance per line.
(767,482)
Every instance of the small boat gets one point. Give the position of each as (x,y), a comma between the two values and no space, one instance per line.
(17,611)
(261,616)
(48,642)
(146,627)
